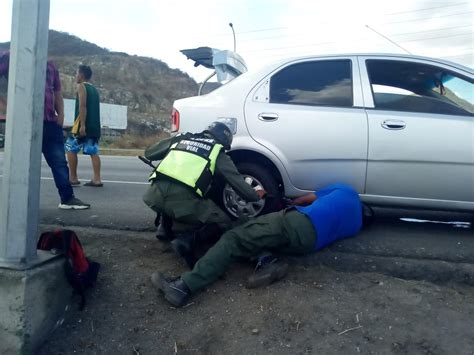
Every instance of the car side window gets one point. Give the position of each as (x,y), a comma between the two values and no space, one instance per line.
(317,83)
(416,87)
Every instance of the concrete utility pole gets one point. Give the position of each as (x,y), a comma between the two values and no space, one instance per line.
(22,165)
(33,288)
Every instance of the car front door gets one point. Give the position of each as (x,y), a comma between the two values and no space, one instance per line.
(309,114)
(421,132)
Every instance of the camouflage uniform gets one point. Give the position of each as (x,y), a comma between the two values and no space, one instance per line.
(179,202)
(285,232)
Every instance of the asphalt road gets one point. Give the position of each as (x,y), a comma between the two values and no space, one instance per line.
(118,204)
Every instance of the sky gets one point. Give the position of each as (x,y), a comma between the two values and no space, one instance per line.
(266,30)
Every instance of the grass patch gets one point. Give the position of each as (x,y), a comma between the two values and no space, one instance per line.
(129,141)
(130,145)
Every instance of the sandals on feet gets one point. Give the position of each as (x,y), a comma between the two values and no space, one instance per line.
(93,184)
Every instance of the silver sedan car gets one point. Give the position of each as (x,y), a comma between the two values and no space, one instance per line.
(398,128)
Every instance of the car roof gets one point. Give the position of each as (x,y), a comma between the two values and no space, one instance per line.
(248,78)
(405,56)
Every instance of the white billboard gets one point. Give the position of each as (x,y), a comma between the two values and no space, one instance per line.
(111,116)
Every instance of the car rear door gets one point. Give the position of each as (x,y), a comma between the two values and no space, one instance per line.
(421,131)
(309,113)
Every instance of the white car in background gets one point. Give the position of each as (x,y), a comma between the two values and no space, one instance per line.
(398,128)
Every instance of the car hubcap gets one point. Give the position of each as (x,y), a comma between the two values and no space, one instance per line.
(238,207)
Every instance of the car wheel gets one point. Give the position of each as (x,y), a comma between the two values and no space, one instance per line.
(254,175)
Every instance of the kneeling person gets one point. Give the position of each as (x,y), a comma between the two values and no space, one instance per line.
(317,220)
(188,167)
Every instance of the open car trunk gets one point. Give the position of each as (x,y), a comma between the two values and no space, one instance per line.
(227,65)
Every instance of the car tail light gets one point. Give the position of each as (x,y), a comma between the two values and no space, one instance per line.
(174,120)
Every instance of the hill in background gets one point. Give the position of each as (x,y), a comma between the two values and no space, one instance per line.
(147,86)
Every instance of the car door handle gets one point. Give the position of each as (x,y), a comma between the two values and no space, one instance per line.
(268,116)
(393,124)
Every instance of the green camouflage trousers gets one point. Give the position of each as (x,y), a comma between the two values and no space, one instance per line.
(285,231)
(183,205)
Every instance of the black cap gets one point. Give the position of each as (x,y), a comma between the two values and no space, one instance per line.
(221,133)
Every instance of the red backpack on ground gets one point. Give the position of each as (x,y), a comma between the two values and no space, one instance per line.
(81,272)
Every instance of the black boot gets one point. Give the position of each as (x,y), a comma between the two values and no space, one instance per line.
(175,290)
(157,219)
(269,269)
(164,231)
(208,234)
(183,245)
(204,238)
(192,245)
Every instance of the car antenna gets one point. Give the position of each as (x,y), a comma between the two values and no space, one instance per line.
(233,32)
(388,39)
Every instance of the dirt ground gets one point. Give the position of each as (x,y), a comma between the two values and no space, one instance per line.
(313,311)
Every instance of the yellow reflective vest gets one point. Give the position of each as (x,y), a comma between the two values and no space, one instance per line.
(191,161)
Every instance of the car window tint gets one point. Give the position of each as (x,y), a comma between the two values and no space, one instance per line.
(416,87)
(326,82)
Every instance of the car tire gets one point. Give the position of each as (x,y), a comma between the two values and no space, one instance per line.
(270,185)
(258,175)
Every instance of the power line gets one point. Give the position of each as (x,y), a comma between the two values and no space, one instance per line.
(289,47)
(439,37)
(428,8)
(333,42)
(429,18)
(263,30)
(438,29)
(399,34)
(305,53)
(269,29)
(298,53)
(394,34)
